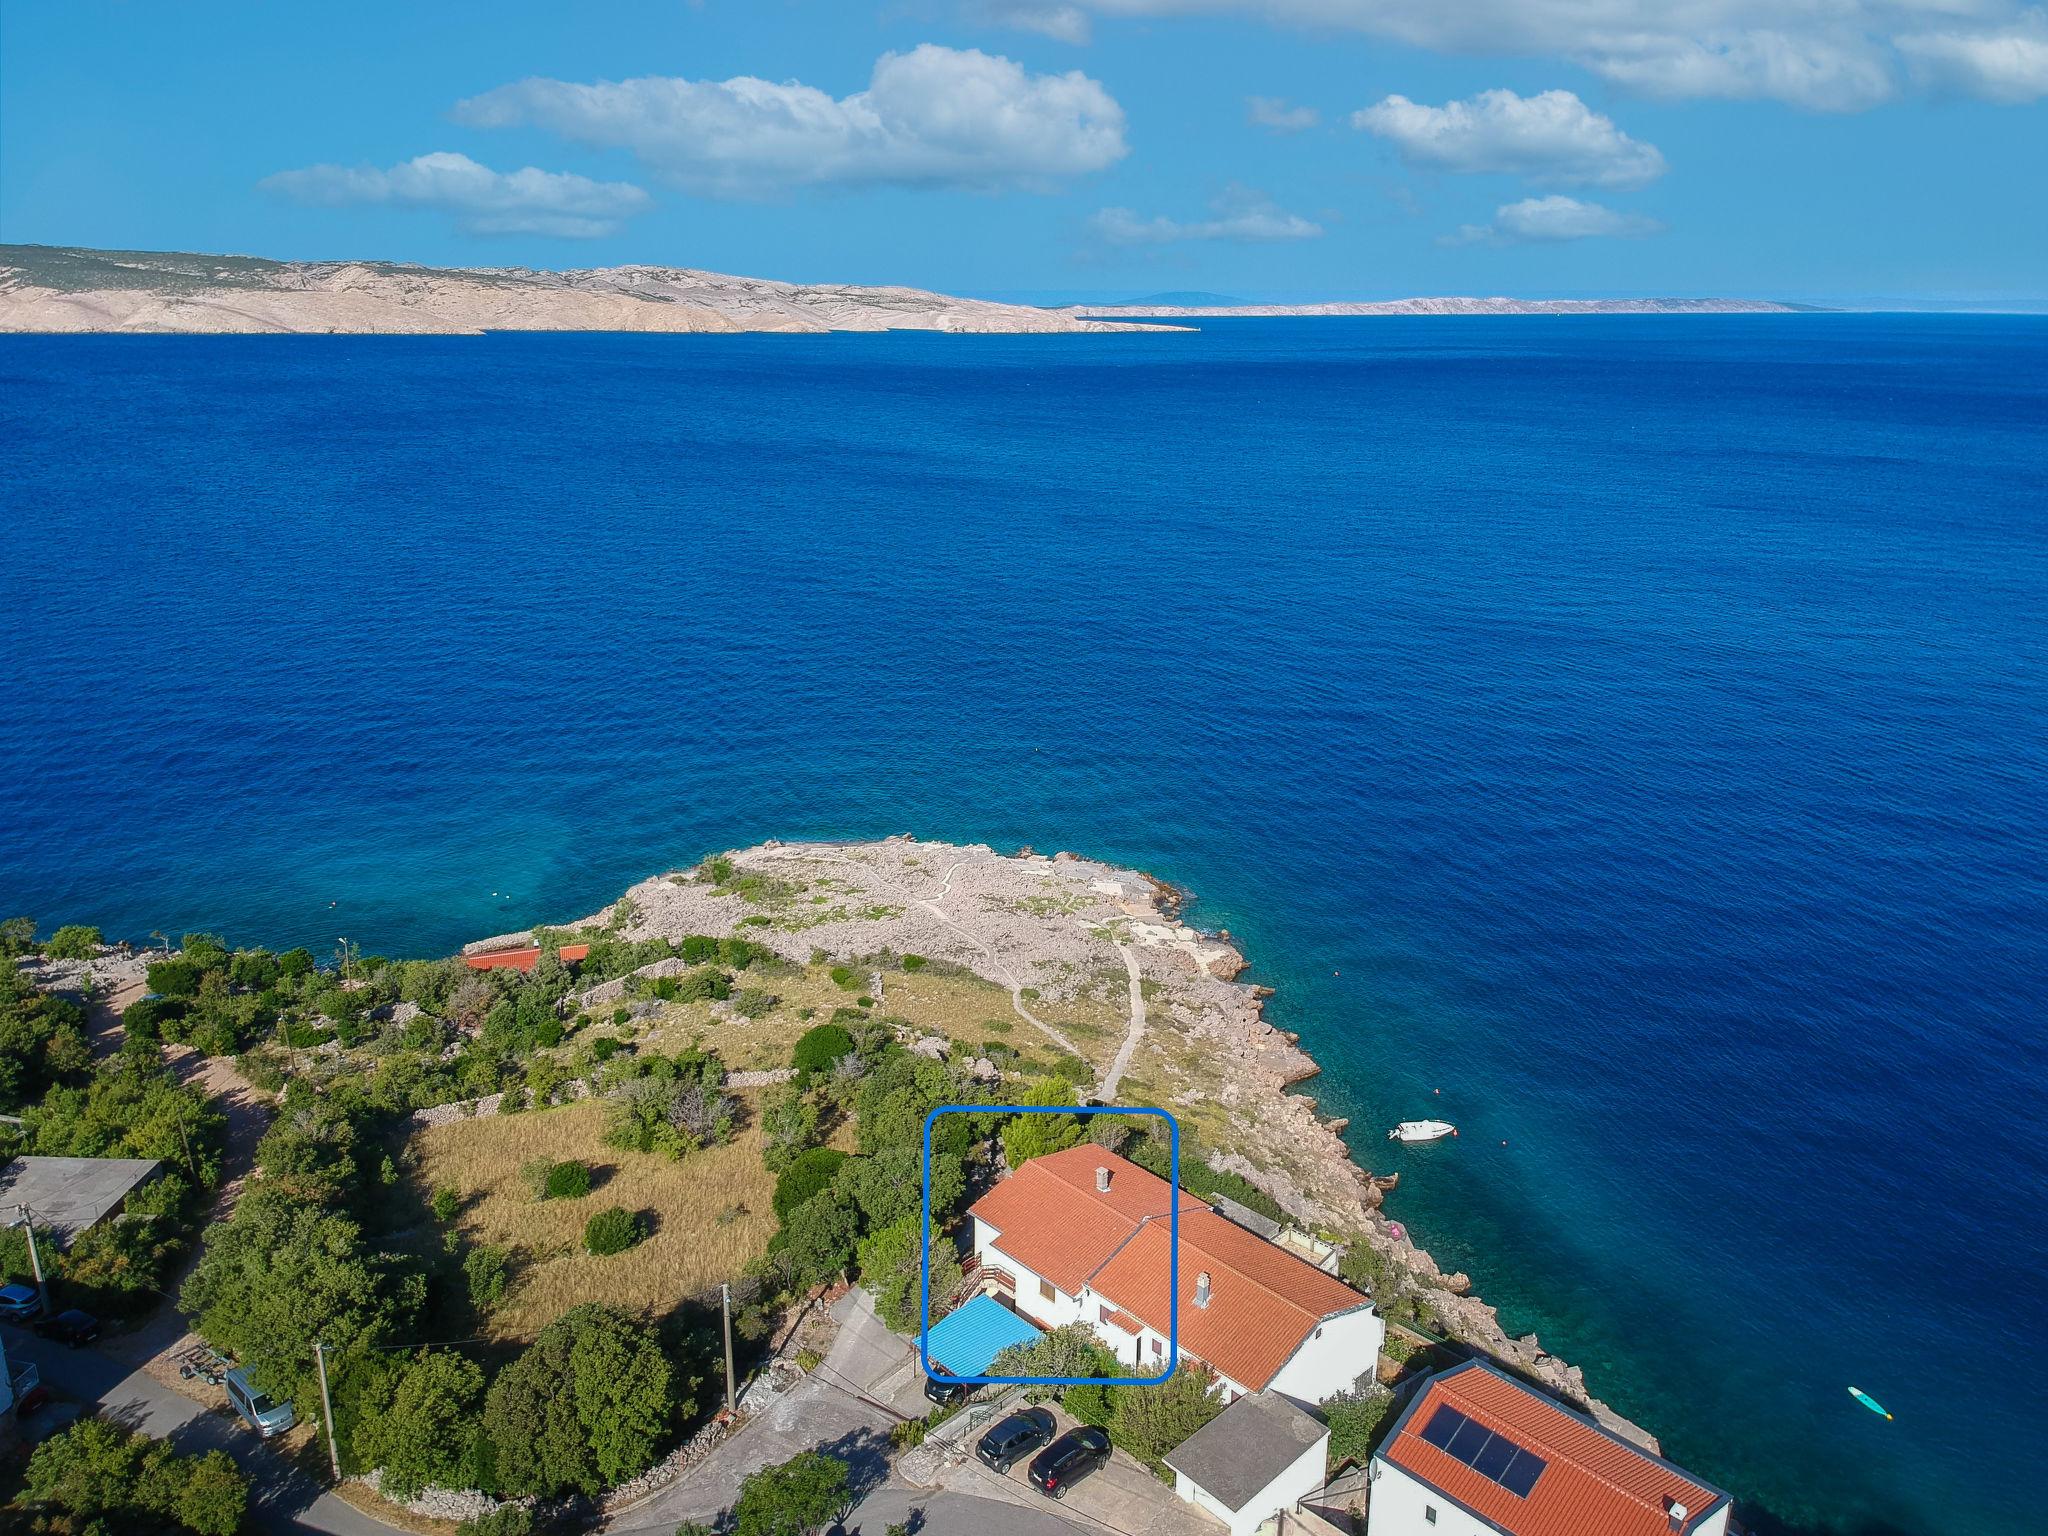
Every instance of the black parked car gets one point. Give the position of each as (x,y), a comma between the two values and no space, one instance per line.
(1015,1438)
(75,1328)
(944,1393)
(1068,1459)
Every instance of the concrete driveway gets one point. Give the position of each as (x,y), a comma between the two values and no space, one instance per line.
(1120,1496)
(281,1498)
(867,1383)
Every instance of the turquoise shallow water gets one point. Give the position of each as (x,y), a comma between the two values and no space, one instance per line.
(1632,728)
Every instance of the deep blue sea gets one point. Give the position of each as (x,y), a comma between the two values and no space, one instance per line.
(1633,728)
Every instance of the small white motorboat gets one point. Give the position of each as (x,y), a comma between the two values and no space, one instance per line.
(1422,1130)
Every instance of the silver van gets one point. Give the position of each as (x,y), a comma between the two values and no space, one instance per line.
(266,1415)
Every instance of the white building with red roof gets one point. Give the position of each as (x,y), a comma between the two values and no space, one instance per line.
(1477,1453)
(1086,1236)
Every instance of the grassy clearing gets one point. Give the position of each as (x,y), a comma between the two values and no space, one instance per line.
(710,1213)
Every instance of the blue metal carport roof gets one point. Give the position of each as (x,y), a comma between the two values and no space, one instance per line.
(966,1342)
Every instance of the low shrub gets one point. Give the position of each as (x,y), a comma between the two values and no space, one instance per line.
(755,1003)
(567,1181)
(447,1202)
(913,962)
(612,1230)
(818,1048)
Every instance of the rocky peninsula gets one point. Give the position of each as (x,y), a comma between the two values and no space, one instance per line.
(63,289)
(1097,962)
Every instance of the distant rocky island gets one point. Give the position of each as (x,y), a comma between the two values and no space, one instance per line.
(1447,306)
(47,288)
(55,288)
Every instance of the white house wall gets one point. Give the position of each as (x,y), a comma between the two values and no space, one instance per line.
(1400,1506)
(1332,1358)
(1301,1477)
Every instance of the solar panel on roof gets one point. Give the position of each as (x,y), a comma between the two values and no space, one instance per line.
(1522,1473)
(1443,1424)
(1469,1441)
(1493,1456)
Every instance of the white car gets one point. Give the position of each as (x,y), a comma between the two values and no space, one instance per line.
(19,1303)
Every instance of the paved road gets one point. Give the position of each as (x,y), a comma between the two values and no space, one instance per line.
(281,1498)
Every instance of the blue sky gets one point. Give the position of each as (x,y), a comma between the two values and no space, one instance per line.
(1825,150)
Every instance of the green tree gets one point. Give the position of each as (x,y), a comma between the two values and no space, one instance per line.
(488,1270)
(808,1173)
(1029,1136)
(1151,1422)
(891,1265)
(803,1495)
(816,1241)
(74,941)
(213,1499)
(425,1435)
(1071,1350)
(584,1407)
(885,1186)
(17,936)
(789,1126)
(280,1275)
(89,1469)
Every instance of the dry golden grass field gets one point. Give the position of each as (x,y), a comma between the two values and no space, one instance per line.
(711,1213)
(963,1008)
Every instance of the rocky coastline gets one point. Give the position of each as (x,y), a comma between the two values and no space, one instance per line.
(1047,928)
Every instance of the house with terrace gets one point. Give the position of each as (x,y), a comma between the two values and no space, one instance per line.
(1086,1236)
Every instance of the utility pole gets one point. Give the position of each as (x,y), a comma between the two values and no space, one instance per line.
(327,1408)
(725,1303)
(190,1166)
(35,1264)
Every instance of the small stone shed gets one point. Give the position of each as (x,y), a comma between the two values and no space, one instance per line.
(1259,1456)
(70,1195)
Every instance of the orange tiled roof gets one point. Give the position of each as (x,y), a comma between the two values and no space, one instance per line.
(1593,1483)
(1056,1223)
(1263,1300)
(520,959)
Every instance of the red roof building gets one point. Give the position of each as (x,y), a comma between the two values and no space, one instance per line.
(1085,1236)
(520,959)
(1477,1453)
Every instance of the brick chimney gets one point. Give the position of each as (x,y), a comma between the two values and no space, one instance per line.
(1202,1289)
(1102,1178)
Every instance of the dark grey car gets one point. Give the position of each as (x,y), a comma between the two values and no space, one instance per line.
(1015,1438)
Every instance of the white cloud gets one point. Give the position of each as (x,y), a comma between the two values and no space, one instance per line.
(1059,20)
(1826,55)
(932,117)
(484,201)
(1241,213)
(1551,137)
(2009,66)
(1553,218)
(1274,112)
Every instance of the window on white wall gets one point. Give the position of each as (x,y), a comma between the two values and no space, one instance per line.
(1429,1513)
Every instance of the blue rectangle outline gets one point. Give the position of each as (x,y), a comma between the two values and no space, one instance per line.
(924,1268)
